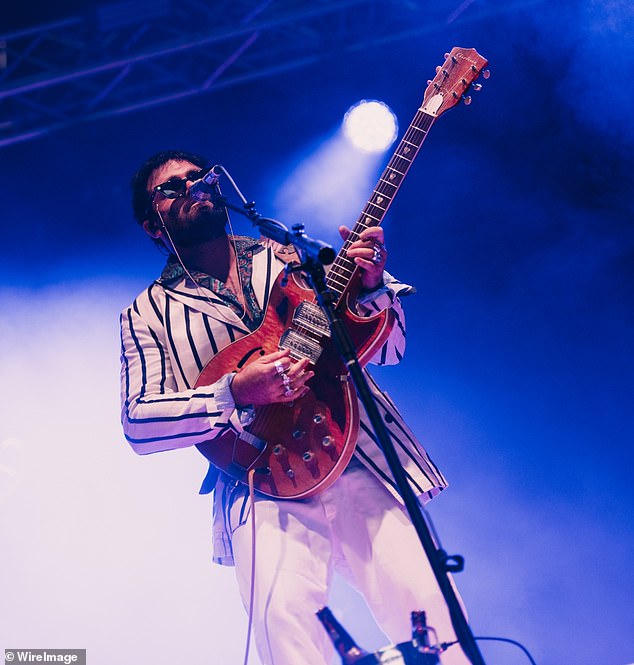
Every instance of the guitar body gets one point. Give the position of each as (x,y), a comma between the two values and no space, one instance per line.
(299,448)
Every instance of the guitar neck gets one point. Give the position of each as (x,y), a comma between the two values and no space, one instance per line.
(461,67)
(341,272)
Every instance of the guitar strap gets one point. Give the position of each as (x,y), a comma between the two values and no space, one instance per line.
(285,253)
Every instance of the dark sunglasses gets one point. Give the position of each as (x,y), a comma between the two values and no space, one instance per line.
(174,188)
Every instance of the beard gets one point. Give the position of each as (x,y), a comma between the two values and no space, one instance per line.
(190,225)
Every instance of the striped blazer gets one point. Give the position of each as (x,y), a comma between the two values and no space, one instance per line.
(173,329)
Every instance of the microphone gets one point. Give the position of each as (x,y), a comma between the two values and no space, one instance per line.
(207,188)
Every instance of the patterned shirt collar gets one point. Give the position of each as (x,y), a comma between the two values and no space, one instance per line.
(173,270)
(246,248)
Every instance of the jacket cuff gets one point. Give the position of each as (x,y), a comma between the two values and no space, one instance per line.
(239,418)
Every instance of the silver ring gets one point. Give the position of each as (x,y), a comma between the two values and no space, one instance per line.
(288,392)
(279,368)
(377,254)
(286,379)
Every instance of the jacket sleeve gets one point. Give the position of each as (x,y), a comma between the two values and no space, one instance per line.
(155,415)
(387,297)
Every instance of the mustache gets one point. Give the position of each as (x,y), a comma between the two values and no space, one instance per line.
(189,226)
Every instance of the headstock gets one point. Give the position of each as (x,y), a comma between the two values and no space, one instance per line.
(461,68)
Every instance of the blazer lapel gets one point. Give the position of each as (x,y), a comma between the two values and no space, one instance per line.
(205,301)
(264,271)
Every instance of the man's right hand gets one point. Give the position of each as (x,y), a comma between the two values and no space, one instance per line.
(271,378)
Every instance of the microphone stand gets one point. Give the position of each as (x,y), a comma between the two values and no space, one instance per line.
(314,254)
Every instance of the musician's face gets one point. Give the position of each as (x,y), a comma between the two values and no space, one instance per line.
(188,222)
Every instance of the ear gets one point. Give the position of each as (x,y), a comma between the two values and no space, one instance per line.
(152,229)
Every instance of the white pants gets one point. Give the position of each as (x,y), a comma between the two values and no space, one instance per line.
(355,527)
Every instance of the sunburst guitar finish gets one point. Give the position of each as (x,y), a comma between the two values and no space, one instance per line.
(301,448)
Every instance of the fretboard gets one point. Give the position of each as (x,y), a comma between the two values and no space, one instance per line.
(343,268)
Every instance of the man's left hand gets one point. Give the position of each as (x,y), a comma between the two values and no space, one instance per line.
(369,254)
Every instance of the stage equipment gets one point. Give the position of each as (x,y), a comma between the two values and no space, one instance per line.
(419,651)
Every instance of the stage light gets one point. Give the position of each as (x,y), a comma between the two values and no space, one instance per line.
(370,126)
(328,187)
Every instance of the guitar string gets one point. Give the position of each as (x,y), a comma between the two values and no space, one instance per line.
(342,263)
(422,122)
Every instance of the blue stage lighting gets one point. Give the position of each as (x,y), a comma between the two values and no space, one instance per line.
(370,126)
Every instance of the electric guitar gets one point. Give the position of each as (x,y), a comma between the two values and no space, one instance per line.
(300,448)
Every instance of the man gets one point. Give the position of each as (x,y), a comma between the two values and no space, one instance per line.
(212,292)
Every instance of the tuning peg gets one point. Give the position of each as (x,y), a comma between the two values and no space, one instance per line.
(429,81)
(477,87)
(486,73)
(466,100)
(446,55)
(438,69)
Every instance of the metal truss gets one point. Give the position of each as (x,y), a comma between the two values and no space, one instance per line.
(134,54)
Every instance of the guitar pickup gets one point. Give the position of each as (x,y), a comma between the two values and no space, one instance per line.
(300,347)
(308,315)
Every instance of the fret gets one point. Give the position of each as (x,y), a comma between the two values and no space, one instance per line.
(404,166)
(341,266)
(407,162)
(370,209)
(402,158)
(341,262)
(338,278)
(343,278)
(404,151)
(337,287)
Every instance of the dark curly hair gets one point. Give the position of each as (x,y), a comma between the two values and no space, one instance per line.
(140,197)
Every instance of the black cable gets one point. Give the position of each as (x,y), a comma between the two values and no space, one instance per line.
(446,645)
